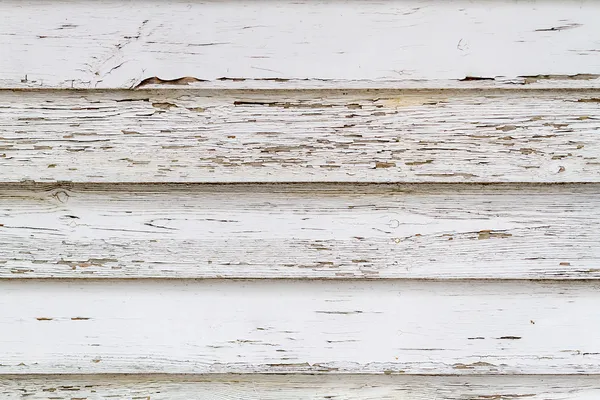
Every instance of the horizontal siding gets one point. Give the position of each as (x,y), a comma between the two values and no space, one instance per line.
(273,387)
(118,44)
(301,231)
(229,326)
(305,136)
(299,199)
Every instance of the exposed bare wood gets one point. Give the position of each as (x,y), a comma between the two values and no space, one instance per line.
(360,136)
(299,199)
(229,326)
(299,387)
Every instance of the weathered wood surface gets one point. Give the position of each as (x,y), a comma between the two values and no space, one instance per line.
(117,44)
(299,231)
(299,387)
(300,136)
(554,82)
(307,111)
(229,326)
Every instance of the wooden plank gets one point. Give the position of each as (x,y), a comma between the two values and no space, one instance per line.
(300,136)
(116,44)
(266,326)
(299,387)
(296,231)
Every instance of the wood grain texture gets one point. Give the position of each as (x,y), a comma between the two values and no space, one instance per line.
(300,136)
(229,326)
(116,44)
(376,289)
(299,387)
(299,231)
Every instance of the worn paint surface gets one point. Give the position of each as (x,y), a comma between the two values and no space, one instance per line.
(414,327)
(412,187)
(301,231)
(121,44)
(298,387)
(248,136)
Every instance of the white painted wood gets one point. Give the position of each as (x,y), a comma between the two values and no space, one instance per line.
(300,136)
(295,231)
(299,387)
(229,326)
(116,44)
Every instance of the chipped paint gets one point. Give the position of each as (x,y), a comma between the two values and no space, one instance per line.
(166,45)
(306,231)
(303,136)
(333,326)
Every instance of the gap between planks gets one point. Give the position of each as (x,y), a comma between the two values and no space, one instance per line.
(334,186)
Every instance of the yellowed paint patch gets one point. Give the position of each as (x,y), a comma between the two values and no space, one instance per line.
(412,100)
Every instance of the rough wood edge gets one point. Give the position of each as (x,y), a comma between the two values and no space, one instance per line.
(580,81)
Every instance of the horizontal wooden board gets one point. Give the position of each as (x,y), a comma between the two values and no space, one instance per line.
(299,231)
(299,387)
(300,136)
(229,326)
(116,44)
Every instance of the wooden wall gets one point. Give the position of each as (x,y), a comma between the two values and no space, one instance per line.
(299,199)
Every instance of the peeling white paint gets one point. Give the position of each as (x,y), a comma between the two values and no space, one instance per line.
(301,231)
(117,44)
(279,326)
(299,387)
(305,136)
